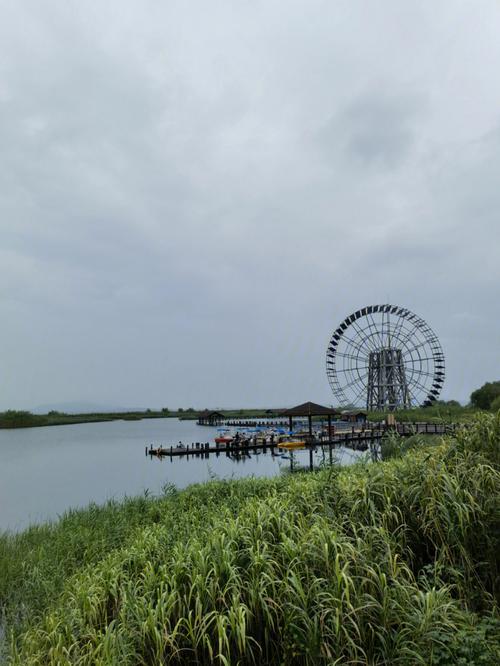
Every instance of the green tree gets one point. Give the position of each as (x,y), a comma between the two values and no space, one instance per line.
(19,419)
(483,397)
(495,405)
(448,403)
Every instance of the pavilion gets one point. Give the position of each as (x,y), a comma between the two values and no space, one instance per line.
(311,409)
(353,415)
(210,418)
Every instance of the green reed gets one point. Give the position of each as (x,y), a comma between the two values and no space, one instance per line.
(388,563)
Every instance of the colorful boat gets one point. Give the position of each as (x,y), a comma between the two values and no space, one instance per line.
(293,444)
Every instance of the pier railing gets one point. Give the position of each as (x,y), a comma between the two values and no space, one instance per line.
(357,437)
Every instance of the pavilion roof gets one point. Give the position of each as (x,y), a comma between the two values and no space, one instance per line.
(209,412)
(309,409)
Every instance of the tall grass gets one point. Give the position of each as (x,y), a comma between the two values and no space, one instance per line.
(436,413)
(390,563)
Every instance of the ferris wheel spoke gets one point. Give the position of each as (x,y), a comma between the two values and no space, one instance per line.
(415,347)
(352,357)
(412,361)
(373,326)
(388,329)
(422,372)
(410,333)
(359,395)
(349,376)
(413,367)
(382,330)
(389,344)
(413,398)
(363,367)
(368,339)
(353,343)
(356,381)
(362,347)
(414,382)
(398,328)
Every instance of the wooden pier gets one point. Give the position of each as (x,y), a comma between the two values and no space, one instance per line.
(354,438)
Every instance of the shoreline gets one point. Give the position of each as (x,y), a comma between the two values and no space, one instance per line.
(14,419)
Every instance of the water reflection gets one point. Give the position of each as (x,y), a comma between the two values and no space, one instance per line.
(45,471)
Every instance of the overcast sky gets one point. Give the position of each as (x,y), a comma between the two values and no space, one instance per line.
(193,195)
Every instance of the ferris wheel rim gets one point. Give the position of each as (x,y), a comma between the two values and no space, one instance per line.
(426,390)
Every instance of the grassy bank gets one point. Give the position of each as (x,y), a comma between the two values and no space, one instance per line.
(387,563)
(438,413)
(25,419)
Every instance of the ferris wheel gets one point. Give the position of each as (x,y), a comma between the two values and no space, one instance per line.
(384,357)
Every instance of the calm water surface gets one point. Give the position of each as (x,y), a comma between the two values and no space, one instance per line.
(45,471)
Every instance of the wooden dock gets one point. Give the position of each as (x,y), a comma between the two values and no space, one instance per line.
(356,438)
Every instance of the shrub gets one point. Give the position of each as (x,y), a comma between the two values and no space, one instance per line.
(495,405)
(484,396)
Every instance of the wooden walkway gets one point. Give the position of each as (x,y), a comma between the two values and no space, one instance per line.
(356,438)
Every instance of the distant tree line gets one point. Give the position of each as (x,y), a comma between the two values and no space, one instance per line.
(13,418)
(487,397)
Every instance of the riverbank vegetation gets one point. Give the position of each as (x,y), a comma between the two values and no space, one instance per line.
(439,413)
(486,398)
(25,419)
(388,563)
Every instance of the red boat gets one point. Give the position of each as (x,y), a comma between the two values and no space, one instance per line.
(223,440)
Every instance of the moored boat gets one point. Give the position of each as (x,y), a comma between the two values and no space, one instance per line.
(223,440)
(293,444)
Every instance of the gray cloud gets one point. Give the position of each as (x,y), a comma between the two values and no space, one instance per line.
(375,129)
(193,196)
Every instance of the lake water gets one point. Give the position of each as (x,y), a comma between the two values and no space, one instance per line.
(45,471)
